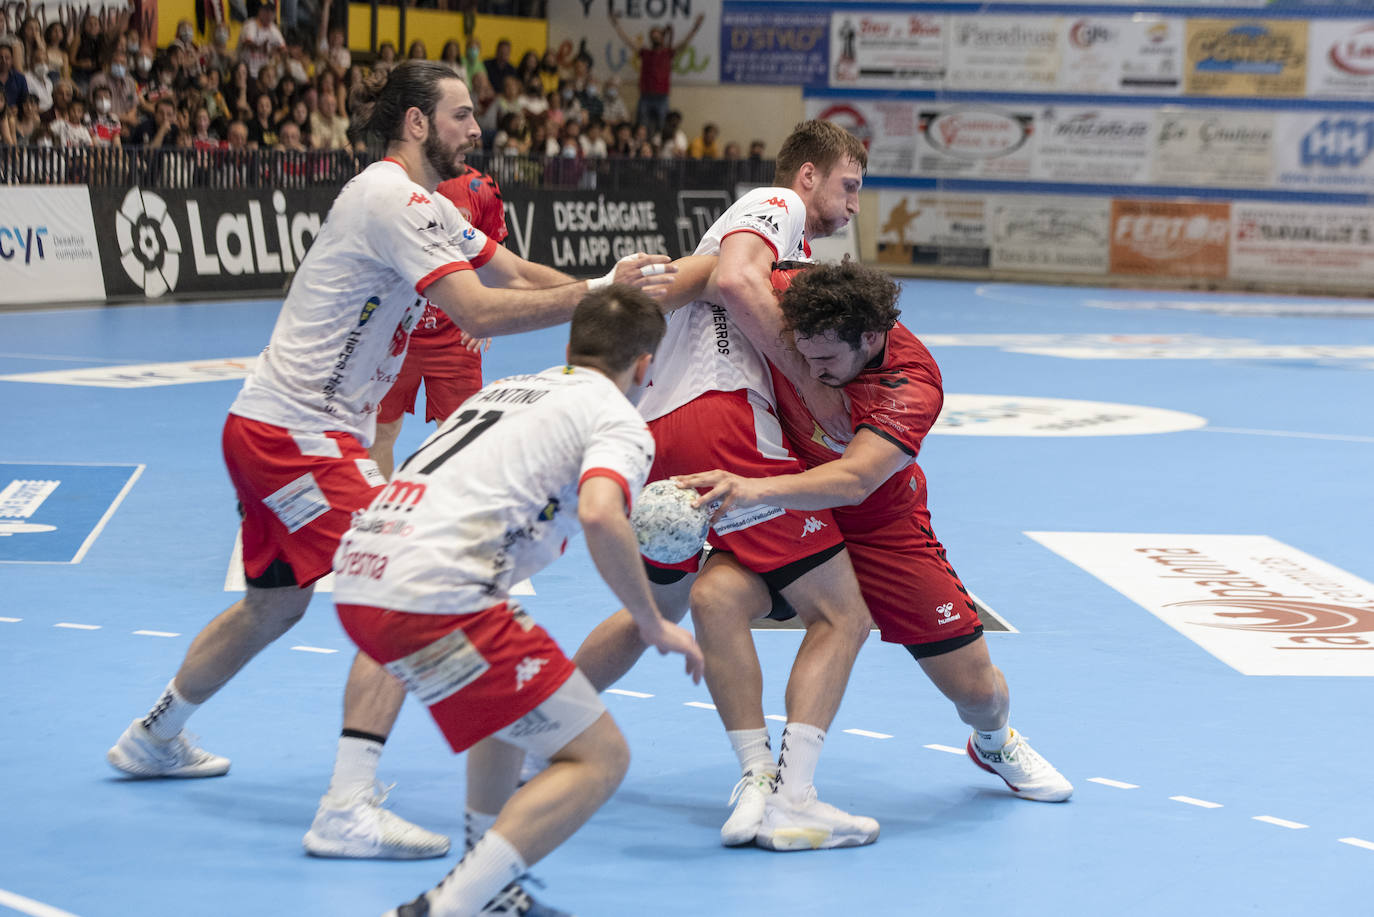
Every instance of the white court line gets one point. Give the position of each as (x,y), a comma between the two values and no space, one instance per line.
(697,703)
(100,526)
(776,717)
(1340,437)
(156,633)
(70,626)
(947,748)
(10,620)
(29,906)
(1357,842)
(623,693)
(62,359)
(868,735)
(313,649)
(1200,803)
(1116,783)
(1281,822)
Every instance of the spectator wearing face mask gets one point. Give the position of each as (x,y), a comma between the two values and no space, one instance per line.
(106,128)
(124,95)
(217,57)
(613,110)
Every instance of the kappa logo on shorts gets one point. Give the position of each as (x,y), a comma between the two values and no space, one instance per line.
(812,525)
(526,671)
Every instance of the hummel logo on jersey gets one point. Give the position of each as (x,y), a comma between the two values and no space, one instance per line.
(417,198)
(812,525)
(527,669)
(778,202)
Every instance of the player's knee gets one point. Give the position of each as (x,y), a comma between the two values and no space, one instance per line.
(612,761)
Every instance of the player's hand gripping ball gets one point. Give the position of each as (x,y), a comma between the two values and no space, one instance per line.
(670,530)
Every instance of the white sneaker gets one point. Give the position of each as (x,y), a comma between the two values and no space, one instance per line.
(360,828)
(139,753)
(1023,769)
(748,798)
(811,825)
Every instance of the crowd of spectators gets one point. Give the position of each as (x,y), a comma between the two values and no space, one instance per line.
(81,78)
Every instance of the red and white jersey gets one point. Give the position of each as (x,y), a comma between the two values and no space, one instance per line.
(491,497)
(703,349)
(342,332)
(478,199)
(898,398)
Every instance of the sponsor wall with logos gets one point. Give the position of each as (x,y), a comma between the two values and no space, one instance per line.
(67,244)
(1211,142)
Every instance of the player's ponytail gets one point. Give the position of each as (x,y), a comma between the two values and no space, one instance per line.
(380,104)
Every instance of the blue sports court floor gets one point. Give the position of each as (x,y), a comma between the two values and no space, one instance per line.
(1167,498)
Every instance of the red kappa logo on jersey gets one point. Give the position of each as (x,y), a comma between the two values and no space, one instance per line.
(417,198)
(398,340)
(778,202)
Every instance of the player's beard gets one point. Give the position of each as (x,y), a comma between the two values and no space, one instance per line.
(444,159)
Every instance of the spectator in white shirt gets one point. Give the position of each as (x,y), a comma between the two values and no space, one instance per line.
(260,37)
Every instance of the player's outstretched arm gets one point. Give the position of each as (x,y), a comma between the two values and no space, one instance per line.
(611,542)
(852,478)
(482,311)
(694,280)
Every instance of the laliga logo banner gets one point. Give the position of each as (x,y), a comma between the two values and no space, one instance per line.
(203,241)
(1257,604)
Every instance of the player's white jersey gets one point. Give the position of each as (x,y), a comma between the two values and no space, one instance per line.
(703,350)
(491,497)
(341,335)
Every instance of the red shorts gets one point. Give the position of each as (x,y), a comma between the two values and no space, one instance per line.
(298,492)
(452,374)
(912,592)
(728,430)
(477,673)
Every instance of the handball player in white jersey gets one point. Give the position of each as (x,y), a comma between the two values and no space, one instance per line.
(423,583)
(296,437)
(710,405)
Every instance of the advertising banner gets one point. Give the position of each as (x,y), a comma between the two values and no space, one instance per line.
(948,230)
(572,24)
(759,44)
(1340,59)
(872,50)
(975,142)
(1142,54)
(1103,145)
(887,129)
(1001,52)
(585,232)
(1170,238)
(1056,234)
(1302,243)
(1234,57)
(204,241)
(1325,151)
(1205,147)
(48,250)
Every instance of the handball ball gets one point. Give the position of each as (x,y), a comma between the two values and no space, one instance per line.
(670,530)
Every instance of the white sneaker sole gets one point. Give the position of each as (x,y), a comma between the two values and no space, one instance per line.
(318,846)
(786,840)
(134,768)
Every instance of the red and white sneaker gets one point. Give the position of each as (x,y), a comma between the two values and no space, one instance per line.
(1023,769)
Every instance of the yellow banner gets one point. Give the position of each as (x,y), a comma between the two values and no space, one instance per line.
(1255,57)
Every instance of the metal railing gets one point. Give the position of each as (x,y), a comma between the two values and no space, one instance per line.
(156,167)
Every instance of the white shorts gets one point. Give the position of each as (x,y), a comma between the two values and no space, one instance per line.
(562,717)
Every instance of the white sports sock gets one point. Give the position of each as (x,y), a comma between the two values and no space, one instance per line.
(355,767)
(169,714)
(753,750)
(994,740)
(797,759)
(486,869)
(475,824)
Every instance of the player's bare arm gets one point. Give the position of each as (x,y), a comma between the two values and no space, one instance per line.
(611,542)
(483,311)
(695,279)
(744,280)
(867,462)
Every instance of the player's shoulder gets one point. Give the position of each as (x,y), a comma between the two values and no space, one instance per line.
(775,198)
(905,348)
